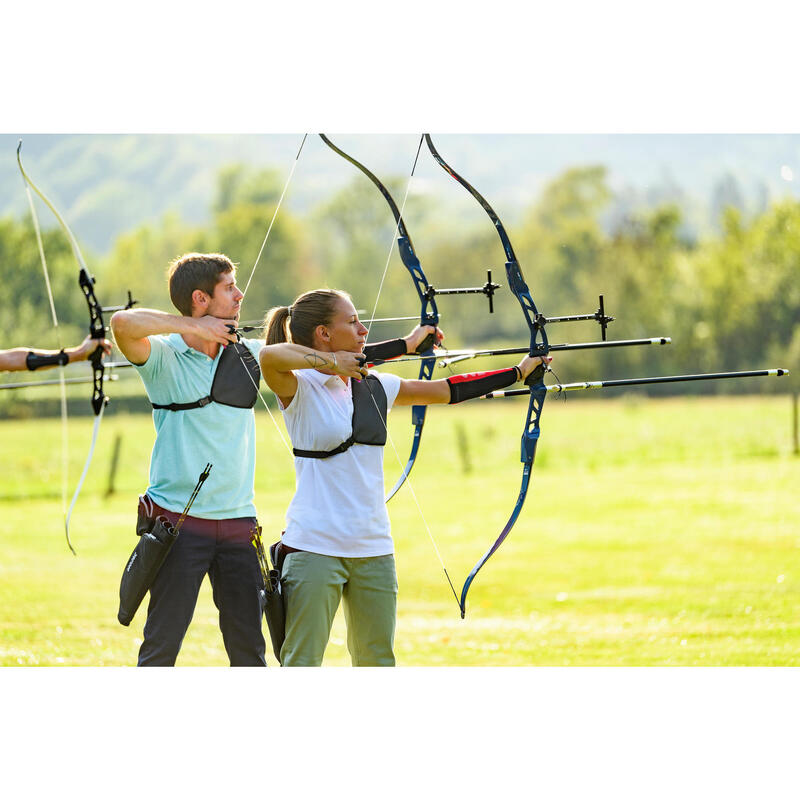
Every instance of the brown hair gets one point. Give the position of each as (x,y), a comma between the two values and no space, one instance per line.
(195,271)
(297,323)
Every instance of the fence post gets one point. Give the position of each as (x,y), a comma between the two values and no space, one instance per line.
(112,473)
(463,448)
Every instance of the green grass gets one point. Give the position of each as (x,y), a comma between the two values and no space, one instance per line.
(656,532)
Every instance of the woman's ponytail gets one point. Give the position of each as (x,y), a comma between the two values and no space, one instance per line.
(276,325)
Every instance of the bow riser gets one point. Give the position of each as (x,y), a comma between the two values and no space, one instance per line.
(429,314)
(539,345)
(530,437)
(97,331)
(520,290)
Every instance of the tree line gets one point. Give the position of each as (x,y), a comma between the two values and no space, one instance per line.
(730,301)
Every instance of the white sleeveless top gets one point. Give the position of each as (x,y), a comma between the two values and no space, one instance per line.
(338,508)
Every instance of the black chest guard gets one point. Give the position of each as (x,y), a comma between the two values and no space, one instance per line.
(369,418)
(235,381)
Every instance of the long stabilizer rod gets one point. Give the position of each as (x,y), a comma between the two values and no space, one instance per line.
(464,356)
(452,356)
(705,376)
(55,382)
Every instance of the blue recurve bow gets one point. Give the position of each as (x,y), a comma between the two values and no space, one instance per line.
(539,346)
(429,313)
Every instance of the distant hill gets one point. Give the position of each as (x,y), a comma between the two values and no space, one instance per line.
(108,184)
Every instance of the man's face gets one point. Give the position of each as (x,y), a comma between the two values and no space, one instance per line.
(226,301)
(345,330)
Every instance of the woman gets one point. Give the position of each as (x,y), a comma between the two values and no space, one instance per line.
(337,530)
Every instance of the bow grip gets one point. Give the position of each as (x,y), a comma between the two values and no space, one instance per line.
(537,376)
(426,344)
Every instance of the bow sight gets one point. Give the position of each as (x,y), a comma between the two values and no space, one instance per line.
(488,289)
(540,320)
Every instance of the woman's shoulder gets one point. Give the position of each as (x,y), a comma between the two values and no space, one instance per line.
(391,384)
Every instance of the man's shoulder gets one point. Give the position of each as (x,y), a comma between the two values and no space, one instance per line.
(164,349)
(253,345)
(167,341)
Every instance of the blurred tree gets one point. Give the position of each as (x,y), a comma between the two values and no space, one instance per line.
(284,268)
(238,185)
(643,269)
(244,206)
(25,317)
(726,194)
(730,302)
(353,232)
(748,286)
(138,262)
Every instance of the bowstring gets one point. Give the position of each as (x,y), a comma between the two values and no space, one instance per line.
(400,463)
(372,318)
(261,396)
(61,374)
(275,214)
(249,280)
(76,250)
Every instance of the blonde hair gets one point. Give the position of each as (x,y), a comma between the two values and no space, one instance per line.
(297,323)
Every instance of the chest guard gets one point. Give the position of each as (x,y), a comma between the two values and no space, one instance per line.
(369,419)
(235,381)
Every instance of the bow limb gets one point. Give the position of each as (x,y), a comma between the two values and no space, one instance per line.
(61,371)
(530,439)
(429,313)
(539,345)
(96,330)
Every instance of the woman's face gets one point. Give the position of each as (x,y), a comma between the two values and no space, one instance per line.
(344,332)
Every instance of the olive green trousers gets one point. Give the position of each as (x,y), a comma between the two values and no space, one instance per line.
(313,585)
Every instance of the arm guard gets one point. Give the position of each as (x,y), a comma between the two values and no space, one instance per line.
(35,360)
(383,351)
(477,384)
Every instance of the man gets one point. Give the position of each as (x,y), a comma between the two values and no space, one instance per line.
(21,358)
(176,357)
(201,421)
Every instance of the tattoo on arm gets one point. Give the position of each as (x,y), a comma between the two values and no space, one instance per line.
(315,361)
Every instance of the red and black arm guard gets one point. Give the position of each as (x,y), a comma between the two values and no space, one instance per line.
(384,351)
(477,384)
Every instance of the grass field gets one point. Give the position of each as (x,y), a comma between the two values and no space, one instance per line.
(656,532)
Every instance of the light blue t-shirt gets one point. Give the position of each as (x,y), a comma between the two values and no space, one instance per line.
(187,440)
